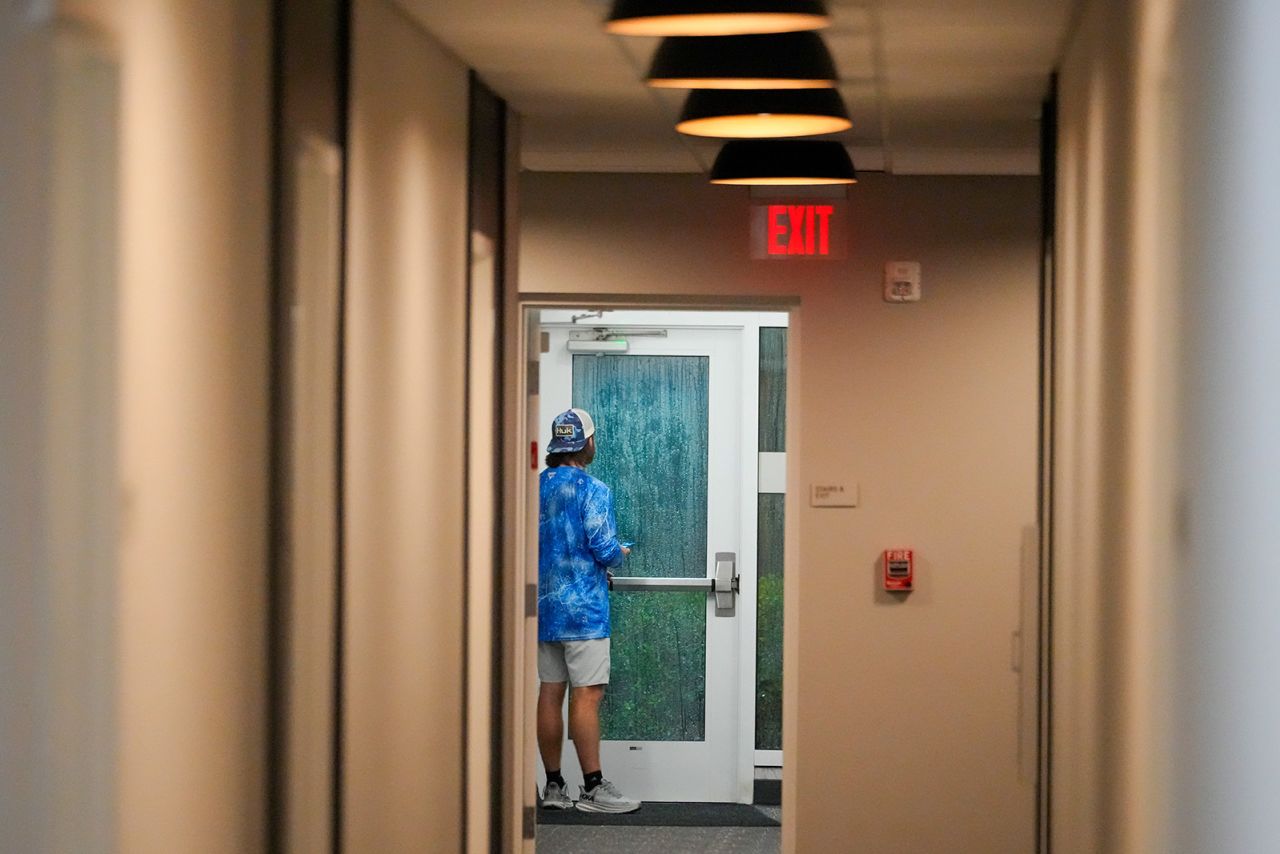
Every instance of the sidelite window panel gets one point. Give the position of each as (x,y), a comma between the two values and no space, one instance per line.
(651,416)
(773,390)
(769,623)
(771,524)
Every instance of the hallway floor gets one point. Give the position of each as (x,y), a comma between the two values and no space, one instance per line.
(569,839)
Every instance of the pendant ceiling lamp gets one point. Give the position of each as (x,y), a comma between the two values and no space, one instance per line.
(715,17)
(783,162)
(771,61)
(763,113)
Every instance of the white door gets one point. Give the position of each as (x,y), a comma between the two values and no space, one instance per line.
(668,415)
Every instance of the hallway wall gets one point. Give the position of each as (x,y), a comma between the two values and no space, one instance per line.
(1097,395)
(1167,468)
(913,733)
(406,359)
(59,567)
(192,377)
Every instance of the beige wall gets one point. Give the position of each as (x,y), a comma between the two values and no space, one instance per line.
(58,459)
(192,377)
(155,369)
(406,355)
(1117,433)
(1092,345)
(1165,455)
(913,733)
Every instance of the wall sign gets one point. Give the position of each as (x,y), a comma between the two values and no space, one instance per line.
(799,229)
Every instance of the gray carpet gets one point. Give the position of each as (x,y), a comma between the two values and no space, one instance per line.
(666,815)
(559,839)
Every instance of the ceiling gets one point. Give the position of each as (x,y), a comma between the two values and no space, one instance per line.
(932,86)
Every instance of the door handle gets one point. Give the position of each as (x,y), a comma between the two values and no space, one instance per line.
(724,585)
(656,584)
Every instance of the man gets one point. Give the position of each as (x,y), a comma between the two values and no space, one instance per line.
(577,544)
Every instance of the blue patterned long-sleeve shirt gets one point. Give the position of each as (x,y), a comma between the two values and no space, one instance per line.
(577,543)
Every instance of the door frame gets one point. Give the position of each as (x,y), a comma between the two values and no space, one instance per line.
(520,405)
(747,462)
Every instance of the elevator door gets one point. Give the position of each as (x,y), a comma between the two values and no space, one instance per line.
(667,415)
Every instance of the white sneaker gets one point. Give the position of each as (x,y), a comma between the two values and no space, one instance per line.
(605,798)
(554,797)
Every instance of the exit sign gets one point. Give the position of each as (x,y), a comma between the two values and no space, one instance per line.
(811,229)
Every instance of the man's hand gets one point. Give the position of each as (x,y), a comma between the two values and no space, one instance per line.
(625,551)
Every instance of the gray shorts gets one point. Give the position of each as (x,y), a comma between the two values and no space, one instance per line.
(584,662)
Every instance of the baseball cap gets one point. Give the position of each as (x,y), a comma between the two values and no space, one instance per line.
(570,431)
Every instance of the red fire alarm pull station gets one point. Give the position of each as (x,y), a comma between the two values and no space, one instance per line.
(899,570)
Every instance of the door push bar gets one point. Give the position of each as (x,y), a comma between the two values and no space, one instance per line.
(724,585)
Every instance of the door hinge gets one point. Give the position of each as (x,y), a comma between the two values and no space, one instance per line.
(528,822)
(531,600)
(533,378)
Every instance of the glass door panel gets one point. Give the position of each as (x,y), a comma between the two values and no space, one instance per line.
(651,416)
(657,688)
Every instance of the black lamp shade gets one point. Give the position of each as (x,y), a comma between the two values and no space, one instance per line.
(771,61)
(795,162)
(715,17)
(741,114)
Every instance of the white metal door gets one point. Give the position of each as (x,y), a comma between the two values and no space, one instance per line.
(692,759)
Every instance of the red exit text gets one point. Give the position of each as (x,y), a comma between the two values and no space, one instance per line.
(798,230)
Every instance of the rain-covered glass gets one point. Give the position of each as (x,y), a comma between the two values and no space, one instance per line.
(651,414)
(771,523)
